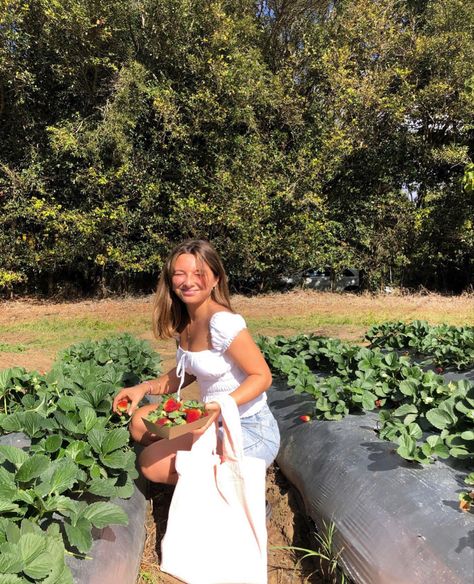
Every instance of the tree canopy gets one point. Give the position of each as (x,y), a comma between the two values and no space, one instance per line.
(289,133)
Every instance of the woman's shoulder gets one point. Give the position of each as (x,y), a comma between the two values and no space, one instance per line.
(224,326)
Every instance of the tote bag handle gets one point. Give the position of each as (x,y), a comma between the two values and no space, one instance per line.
(232,440)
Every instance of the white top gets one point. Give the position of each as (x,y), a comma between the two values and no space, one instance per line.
(216,373)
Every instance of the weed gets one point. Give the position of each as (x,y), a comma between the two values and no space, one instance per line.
(329,559)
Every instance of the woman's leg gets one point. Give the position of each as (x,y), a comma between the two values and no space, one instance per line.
(261,436)
(157,461)
(137,428)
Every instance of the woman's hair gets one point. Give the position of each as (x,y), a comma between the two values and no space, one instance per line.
(170,315)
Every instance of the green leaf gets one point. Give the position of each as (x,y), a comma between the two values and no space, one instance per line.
(68,422)
(102,487)
(88,418)
(79,535)
(39,568)
(27,496)
(441,450)
(61,476)
(53,443)
(414,431)
(115,439)
(33,423)
(460,452)
(6,506)
(368,400)
(407,446)
(31,546)
(467,435)
(10,563)
(14,455)
(405,409)
(95,438)
(439,418)
(116,459)
(60,503)
(67,403)
(32,468)
(103,513)
(13,532)
(408,387)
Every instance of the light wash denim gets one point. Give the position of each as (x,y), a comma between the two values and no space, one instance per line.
(261,435)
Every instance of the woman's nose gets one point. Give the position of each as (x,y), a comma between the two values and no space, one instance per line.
(189,279)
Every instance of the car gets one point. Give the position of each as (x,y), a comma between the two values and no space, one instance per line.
(320,279)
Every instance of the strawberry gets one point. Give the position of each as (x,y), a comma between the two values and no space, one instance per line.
(439,370)
(164,422)
(305,418)
(192,415)
(122,405)
(171,405)
(378,403)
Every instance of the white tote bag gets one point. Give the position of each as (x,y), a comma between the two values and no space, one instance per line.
(216,532)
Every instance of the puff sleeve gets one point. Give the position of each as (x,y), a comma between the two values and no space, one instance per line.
(224,327)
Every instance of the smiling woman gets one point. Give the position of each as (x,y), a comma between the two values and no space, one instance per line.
(192,305)
(214,348)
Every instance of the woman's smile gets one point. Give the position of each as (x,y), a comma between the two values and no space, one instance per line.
(191,280)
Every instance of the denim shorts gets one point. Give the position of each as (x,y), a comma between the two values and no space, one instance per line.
(261,435)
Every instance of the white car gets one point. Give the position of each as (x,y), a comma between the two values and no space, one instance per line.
(320,279)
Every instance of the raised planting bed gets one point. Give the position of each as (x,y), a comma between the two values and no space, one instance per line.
(395,521)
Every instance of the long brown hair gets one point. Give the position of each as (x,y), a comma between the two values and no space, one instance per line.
(170,315)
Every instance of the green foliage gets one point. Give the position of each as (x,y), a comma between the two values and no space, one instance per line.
(444,345)
(31,554)
(290,134)
(80,455)
(426,416)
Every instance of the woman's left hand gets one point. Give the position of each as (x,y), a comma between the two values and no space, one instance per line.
(213,410)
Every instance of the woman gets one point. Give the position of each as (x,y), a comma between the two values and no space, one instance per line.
(215,348)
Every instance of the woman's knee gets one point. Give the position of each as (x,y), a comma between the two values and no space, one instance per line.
(136,426)
(157,461)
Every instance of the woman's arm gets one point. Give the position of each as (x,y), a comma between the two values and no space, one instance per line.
(245,353)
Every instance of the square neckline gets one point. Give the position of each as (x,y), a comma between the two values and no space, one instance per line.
(205,350)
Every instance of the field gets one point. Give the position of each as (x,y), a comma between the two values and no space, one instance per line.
(31,333)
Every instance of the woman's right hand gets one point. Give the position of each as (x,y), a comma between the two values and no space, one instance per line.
(133,395)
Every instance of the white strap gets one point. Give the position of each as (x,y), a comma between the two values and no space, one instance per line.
(232,442)
(181,373)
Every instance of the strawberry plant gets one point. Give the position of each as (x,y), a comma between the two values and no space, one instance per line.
(80,454)
(427,417)
(444,345)
(31,554)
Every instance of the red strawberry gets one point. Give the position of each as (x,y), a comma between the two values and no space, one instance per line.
(192,415)
(122,405)
(305,418)
(171,405)
(439,370)
(378,403)
(164,422)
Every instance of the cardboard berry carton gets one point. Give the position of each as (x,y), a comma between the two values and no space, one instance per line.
(173,417)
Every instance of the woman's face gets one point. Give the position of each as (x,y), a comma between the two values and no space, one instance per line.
(192,280)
